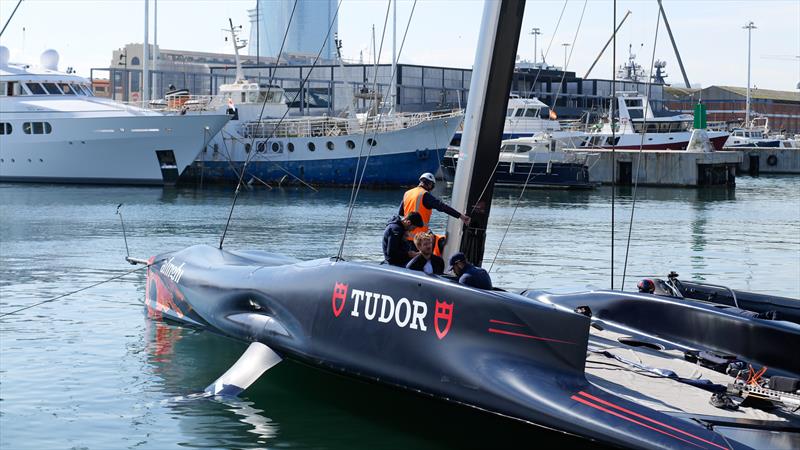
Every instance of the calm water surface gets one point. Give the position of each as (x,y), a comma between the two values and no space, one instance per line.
(89,371)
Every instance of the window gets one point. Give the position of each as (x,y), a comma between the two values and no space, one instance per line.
(634,102)
(510,112)
(5,128)
(290,146)
(531,112)
(508,148)
(67,89)
(52,89)
(36,128)
(372,142)
(135,61)
(311,147)
(36,88)
(329,145)
(350,144)
(4,90)
(261,146)
(519,113)
(523,148)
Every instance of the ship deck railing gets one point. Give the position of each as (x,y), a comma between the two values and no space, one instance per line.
(325,126)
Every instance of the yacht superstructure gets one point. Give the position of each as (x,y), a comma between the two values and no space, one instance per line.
(53,129)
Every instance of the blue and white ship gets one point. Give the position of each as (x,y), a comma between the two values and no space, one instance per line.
(320,150)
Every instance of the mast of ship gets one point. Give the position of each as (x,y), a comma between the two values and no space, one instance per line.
(483,127)
(237,44)
(749,27)
(146,55)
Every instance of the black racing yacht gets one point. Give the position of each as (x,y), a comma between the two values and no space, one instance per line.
(631,370)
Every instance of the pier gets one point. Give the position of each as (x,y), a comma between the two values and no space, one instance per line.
(769,160)
(666,167)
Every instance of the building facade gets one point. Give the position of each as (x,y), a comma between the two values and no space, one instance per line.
(728,104)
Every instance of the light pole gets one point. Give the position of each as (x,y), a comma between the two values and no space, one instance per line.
(749,27)
(535,32)
(123,61)
(565,45)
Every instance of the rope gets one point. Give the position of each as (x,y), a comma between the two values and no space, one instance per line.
(513,213)
(613,137)
(247,159)
(639,155)
(297,94)
(77,290)
(569,57)
(354,191)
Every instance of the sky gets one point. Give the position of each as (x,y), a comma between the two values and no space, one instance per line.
(708,33)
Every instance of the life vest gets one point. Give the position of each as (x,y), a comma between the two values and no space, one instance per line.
(412,201)
(439,241)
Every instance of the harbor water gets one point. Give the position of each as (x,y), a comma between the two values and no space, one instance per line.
(91,371)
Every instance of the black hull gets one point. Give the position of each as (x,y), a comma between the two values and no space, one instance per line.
(504,353)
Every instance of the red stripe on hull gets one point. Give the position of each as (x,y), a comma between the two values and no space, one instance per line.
(528,336)
(598,407)
(635,414)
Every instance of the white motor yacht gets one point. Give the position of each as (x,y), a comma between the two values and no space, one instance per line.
(53,129)
(639,126)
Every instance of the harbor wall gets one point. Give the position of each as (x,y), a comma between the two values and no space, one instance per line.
(766,160)
(664,167)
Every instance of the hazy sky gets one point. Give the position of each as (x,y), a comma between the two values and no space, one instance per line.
(709,33)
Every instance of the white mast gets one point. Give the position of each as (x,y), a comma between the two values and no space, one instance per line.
(155,48)
(146,55)
(472,122)
(749,27)
(237,44)
(394,56)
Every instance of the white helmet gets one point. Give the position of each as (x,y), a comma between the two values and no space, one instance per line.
(427,176)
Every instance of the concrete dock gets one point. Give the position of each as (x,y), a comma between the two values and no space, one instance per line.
(766,160)
(665,167)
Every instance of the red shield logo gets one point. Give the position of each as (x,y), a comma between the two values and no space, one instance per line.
(338,298)
(442,318)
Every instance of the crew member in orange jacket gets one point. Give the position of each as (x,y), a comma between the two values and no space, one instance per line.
(421,200)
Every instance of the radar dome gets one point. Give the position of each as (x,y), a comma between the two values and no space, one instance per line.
(4,55)
(49,59)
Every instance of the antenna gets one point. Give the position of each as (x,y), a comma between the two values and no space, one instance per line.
(237,44)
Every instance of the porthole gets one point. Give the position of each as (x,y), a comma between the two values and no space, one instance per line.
(277,147)
(311,147)
(41,160)
(247,148)
(261,147)
(29,160)
(329,145)
(372,142)
(290,146)
(47,128)
(12,160)
(350,144)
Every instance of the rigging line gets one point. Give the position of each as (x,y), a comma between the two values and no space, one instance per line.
(508,226)
(569,58)
(247,159)
(10,17)
(354,189)
(613,136)
(639,155)
(265,156)
(552,37)
(78,290)
(297,94)
(357,189)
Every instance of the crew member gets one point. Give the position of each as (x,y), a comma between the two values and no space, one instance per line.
(468,274)
(421,200)
(397,250)
(426,261)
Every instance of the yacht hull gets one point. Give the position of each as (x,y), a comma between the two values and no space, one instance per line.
(496,351)
(148,149)
(396,159)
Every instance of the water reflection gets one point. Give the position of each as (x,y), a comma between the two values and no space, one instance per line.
(293,405)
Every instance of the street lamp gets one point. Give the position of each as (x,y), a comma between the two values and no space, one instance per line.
(565,45)
(535,32)
(749,27)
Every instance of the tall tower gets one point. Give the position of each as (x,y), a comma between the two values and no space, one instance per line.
(308,30)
